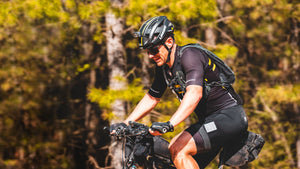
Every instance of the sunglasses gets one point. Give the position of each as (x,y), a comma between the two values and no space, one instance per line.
(154,50)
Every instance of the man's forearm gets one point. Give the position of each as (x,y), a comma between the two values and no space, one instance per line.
(188,104)
(143,108)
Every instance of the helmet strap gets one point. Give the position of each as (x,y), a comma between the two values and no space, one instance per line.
(169,50)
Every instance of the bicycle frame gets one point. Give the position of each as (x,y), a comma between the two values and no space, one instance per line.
(142,150)
(151,152)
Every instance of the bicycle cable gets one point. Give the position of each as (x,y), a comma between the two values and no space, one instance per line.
(123,152)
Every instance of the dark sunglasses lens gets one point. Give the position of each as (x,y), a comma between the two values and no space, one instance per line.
(153,51)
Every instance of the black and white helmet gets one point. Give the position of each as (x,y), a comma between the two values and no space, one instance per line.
(153,32)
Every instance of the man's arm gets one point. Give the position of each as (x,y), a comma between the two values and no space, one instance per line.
(188,104)
(144,107)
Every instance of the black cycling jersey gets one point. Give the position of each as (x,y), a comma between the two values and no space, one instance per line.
(197,68)
(222,119)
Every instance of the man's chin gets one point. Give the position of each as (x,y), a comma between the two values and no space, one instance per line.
(160,63)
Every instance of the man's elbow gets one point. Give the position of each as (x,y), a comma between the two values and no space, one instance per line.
(154,99)
(196,91)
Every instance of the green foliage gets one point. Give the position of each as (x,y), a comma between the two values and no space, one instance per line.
(184,11)
(255,42)
(91,12)
(280,94)
(225,51)
(133,93)
(37,65)
(83,68)
(270,103)
(44,72)
(181,40)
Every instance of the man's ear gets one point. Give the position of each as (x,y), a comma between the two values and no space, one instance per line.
(169,42)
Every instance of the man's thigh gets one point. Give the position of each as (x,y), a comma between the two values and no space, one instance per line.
(183,142)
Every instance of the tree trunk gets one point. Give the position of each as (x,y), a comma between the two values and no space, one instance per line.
(278,131)
(298,153)
(116,63)
(221,5)
(296,65)
(210,36)
(91,116)
(297,112)
(145,72)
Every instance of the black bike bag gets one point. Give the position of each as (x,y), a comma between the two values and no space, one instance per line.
(242,152)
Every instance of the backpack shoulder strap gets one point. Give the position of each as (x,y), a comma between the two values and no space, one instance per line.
(227,76)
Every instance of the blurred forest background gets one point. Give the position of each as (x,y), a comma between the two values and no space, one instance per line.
(71,67)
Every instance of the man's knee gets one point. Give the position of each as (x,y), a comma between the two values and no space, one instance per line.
(182,145)
(175,152)
(173,149)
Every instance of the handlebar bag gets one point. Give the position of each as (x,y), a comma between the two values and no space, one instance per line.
(161,147)
(142,149)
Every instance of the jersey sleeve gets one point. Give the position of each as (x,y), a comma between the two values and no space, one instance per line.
(193,64)
(159,84)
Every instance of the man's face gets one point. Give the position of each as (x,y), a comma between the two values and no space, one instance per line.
(159,54)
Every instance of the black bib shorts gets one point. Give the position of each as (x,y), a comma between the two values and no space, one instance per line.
(216,130)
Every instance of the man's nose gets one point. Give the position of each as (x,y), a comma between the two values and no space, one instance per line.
(150,55)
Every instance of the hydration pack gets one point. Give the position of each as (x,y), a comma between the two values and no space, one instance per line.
(226,75)
(178,84)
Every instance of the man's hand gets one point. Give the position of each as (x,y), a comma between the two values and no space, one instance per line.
(116,128)
(161,127)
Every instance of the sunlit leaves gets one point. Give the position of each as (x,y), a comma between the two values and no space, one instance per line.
(7,16)
(133,93)
(83,68)
(181,40)
(38,9)
(280,94)
(273,104)
(41,50)
(225,51)
(93,10)
(185,10)
(39,55)
(105,98)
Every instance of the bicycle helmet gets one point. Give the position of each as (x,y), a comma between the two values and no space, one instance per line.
(153,32)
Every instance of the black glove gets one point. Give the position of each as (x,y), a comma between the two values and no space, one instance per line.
(162,127)
(117,127)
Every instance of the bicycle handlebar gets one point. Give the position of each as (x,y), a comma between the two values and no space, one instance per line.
(133,129)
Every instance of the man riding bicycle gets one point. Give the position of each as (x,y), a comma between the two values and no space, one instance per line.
(189,71)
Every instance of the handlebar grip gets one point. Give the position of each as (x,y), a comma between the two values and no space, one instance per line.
(133,123)
(106,129)
(162,131)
